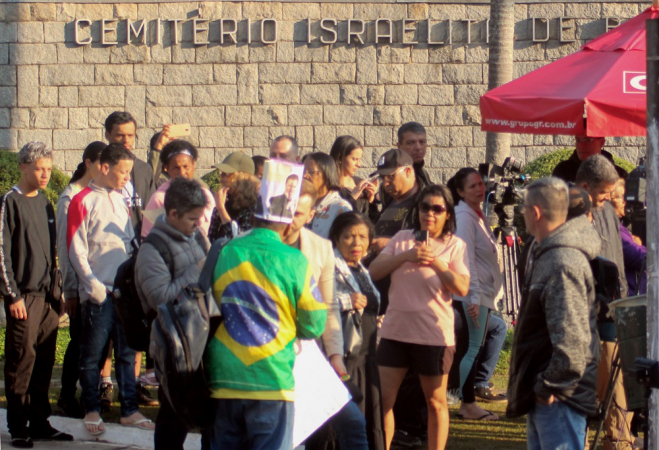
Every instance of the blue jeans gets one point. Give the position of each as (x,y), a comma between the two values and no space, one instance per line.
(100,323)
(494,339)
(476,338)
(555,427)
(350,427)
(252,424)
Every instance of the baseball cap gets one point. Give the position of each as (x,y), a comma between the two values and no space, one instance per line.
(237,162)
(392,160)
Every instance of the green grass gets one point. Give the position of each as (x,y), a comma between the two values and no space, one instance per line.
(505,434)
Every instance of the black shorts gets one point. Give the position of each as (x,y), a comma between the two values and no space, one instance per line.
(429,360)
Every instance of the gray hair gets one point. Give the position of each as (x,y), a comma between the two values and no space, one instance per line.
(551,195)
(34,151)
(597,170)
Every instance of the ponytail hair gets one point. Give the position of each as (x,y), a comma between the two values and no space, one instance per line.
(93,153)
(457,182)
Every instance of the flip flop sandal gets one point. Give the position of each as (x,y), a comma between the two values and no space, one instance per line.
(95,423)
(139,424)
(487,414)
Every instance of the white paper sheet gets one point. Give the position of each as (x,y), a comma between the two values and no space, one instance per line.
(319,393)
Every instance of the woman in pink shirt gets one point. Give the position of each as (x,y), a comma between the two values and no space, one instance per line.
(179,159)
(428,265)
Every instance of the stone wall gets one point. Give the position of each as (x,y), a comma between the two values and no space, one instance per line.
(241,96)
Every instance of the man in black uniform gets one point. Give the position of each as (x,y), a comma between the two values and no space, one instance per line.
(27,250)
(585,148)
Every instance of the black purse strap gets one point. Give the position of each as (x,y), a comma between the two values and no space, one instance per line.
(52,231)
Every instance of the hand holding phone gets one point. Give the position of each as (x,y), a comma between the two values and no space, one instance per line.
(421,236)
(179,130)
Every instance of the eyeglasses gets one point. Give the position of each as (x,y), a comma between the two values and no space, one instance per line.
(587,139)
(391,176)
(426,207)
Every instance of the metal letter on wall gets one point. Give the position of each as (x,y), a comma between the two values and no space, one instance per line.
(105,30)
(534,35)
(174,23)
(158,32)
(80,23)
(430,41)
(330,30)
(611,23)
(389,34)
(563,27)
(231,33)
(404,29)
(196,29)
(487,31)
(308,31)
(356,34)
(275,31)
(131,29)
(468,22)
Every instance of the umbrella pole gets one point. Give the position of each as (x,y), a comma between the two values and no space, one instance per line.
(652,164)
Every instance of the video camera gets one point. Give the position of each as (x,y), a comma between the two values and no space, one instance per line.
(636,210)
(504,185)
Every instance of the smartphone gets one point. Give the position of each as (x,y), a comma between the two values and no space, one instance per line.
(374,179)
(179,130)
(421,236)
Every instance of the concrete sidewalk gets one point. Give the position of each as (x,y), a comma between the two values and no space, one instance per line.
(115,436)
(80,445)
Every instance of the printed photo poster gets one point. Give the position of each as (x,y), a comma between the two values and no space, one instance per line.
(280,191)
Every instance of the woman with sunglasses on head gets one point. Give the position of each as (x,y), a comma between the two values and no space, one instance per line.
(320,169)
(428,265)
(485,286)
(347,154)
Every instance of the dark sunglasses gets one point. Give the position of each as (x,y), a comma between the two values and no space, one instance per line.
(425,207)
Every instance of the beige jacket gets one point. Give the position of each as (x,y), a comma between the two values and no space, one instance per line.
(321,258)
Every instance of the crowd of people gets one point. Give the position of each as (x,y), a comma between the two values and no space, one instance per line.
(397,278)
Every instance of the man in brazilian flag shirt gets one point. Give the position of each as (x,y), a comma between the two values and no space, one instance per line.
(268,299)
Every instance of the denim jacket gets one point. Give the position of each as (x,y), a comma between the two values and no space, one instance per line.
(346,284)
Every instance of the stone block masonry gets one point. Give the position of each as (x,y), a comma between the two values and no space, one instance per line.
(242,73)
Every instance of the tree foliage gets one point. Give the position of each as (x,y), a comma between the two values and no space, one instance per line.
(544,165)
(11,174)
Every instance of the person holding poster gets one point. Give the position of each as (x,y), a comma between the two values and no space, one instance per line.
(268,298)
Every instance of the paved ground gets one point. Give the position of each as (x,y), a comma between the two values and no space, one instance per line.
(68,445)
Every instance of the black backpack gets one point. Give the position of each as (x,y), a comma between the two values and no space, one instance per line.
(126,300)
(180,333)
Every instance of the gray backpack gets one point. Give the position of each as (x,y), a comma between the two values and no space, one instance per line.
(179,337)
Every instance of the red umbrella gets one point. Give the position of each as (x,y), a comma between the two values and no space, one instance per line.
(604,81)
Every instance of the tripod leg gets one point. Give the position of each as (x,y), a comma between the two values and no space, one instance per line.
(605,403)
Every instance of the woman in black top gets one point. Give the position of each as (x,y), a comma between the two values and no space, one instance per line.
(347,154)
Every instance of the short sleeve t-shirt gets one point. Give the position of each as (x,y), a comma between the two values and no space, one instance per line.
(420,310)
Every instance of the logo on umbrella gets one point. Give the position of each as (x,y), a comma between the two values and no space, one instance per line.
(634,82)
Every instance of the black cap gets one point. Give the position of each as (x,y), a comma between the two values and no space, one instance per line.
(391,160)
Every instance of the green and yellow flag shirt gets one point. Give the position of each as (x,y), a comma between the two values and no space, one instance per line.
(268,298)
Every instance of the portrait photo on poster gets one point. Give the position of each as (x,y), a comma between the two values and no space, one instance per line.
(280,191)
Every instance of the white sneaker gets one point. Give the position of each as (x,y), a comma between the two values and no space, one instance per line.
(149,379)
